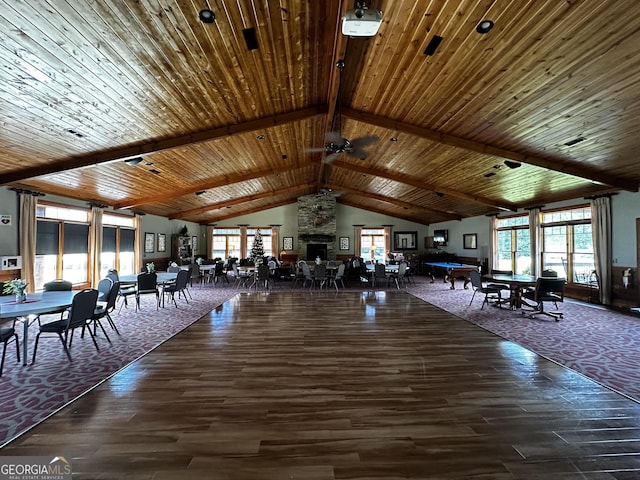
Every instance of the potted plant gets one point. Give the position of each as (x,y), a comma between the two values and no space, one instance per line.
(18,287)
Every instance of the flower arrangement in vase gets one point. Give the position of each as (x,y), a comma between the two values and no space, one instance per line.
(151,268)
(18,287)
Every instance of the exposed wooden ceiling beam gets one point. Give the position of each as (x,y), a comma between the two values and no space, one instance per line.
(239,200)
(580,171)
(505,206)
(395,201)
(159,145)
(213,183)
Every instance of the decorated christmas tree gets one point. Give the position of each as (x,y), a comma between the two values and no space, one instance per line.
(257,251)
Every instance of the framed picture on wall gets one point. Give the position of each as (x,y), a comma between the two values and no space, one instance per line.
(344,243)
(194,244)
(405,241)
(287,243)
(162,242)
(470,241)
(149,241)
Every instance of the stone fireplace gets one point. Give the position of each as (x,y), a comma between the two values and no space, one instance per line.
(317,227)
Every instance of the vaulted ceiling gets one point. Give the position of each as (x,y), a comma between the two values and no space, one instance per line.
(225,129)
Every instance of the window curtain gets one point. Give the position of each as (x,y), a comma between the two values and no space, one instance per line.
(243,242)
(387,241)
(493,244)
(535,236)
(601,231)
(138,245)
(27,231)
(357,241)
(275,241)
(95,245)
(209,241)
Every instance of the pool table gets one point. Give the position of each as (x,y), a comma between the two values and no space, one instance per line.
(450,271)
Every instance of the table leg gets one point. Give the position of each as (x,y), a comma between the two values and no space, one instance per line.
(25,338)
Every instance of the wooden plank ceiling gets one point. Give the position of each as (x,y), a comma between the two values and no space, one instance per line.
(225,130)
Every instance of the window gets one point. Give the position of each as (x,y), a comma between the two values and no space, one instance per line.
(266,240)
(513,244)
(568,243)
(118,244)
(226,243)
(62,245)
(372,244)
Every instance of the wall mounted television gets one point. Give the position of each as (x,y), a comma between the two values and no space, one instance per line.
(440,237)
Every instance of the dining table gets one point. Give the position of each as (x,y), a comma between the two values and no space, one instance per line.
(162,277)
(36,304)
(516,283)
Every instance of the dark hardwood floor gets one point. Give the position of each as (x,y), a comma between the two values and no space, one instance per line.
(354,385)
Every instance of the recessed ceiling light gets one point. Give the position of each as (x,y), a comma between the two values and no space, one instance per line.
(484,26)
(260,137)
(206,16)
(394,139)
(571,143)
(201,192)
(511,164)
(132,162)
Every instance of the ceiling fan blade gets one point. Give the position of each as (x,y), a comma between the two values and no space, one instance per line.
(316,149)
(360,142)
(334,137)
(330,158)
(359,153)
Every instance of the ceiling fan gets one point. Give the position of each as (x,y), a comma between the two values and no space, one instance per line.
(336,144)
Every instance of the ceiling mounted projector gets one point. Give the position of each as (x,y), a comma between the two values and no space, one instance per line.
(361,22)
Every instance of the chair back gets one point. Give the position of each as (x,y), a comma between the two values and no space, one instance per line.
(82,307)
(104,288)
(147,282)
(476,279)
(113,275)
(173,268)
(263,272)
(549,273)
(402,269)
(320,271)
(219,269)
(58,285)
(340,272)
(306,271)
(236,272)
(112,298)
(182,279)
(380,270)
(549,289)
